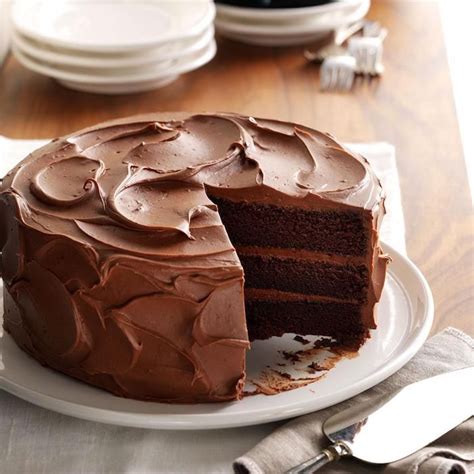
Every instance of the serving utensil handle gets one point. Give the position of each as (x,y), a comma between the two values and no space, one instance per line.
(331,453)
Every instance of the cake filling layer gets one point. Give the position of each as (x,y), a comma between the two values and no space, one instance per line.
(276,295)
(306,277)
(302,254)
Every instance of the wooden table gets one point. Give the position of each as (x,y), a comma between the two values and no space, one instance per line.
(411,107)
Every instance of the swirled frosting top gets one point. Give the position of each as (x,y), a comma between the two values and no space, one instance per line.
(141,184)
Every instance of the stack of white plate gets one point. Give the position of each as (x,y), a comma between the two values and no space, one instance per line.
(287,26)
(113,47)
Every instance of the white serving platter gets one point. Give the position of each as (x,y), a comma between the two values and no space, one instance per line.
(405,316)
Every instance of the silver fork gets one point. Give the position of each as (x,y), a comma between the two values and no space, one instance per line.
(338,72)
(335,47)
(374,28)
(338,68)
(363,56)
(368,49)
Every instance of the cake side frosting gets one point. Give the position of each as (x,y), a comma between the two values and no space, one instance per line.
(111,244)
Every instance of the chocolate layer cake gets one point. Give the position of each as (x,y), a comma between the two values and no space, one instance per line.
(125,245)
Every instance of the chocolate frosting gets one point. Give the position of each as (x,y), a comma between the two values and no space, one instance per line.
(117,267)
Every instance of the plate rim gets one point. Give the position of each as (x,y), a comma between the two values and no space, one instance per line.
(199,421)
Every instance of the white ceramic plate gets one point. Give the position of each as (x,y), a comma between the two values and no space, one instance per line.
(63,58)
(90,76)
(405,317)
(111,26)
(284,14)
(311,25)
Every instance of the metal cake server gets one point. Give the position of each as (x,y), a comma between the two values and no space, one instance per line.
(397,425)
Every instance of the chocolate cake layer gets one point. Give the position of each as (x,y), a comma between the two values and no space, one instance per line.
(342,232)
(339,320)
(120,270)
(305,276)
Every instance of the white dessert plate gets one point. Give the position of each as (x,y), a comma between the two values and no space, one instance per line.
(405,316)
(284,14)
(90,76)
(63,57)
(311,25)
(111,26)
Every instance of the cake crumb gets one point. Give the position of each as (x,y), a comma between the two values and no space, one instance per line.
(248,393)
(301,339)
(315,367)
(324,342)
(283,374)
(292,356)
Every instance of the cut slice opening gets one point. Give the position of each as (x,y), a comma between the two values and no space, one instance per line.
(307,271)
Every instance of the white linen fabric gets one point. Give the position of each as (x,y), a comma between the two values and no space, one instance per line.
(35,440)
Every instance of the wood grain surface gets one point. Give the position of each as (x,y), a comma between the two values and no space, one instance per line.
(411,107)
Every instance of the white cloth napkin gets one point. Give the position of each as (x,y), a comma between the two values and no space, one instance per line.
(35,440)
